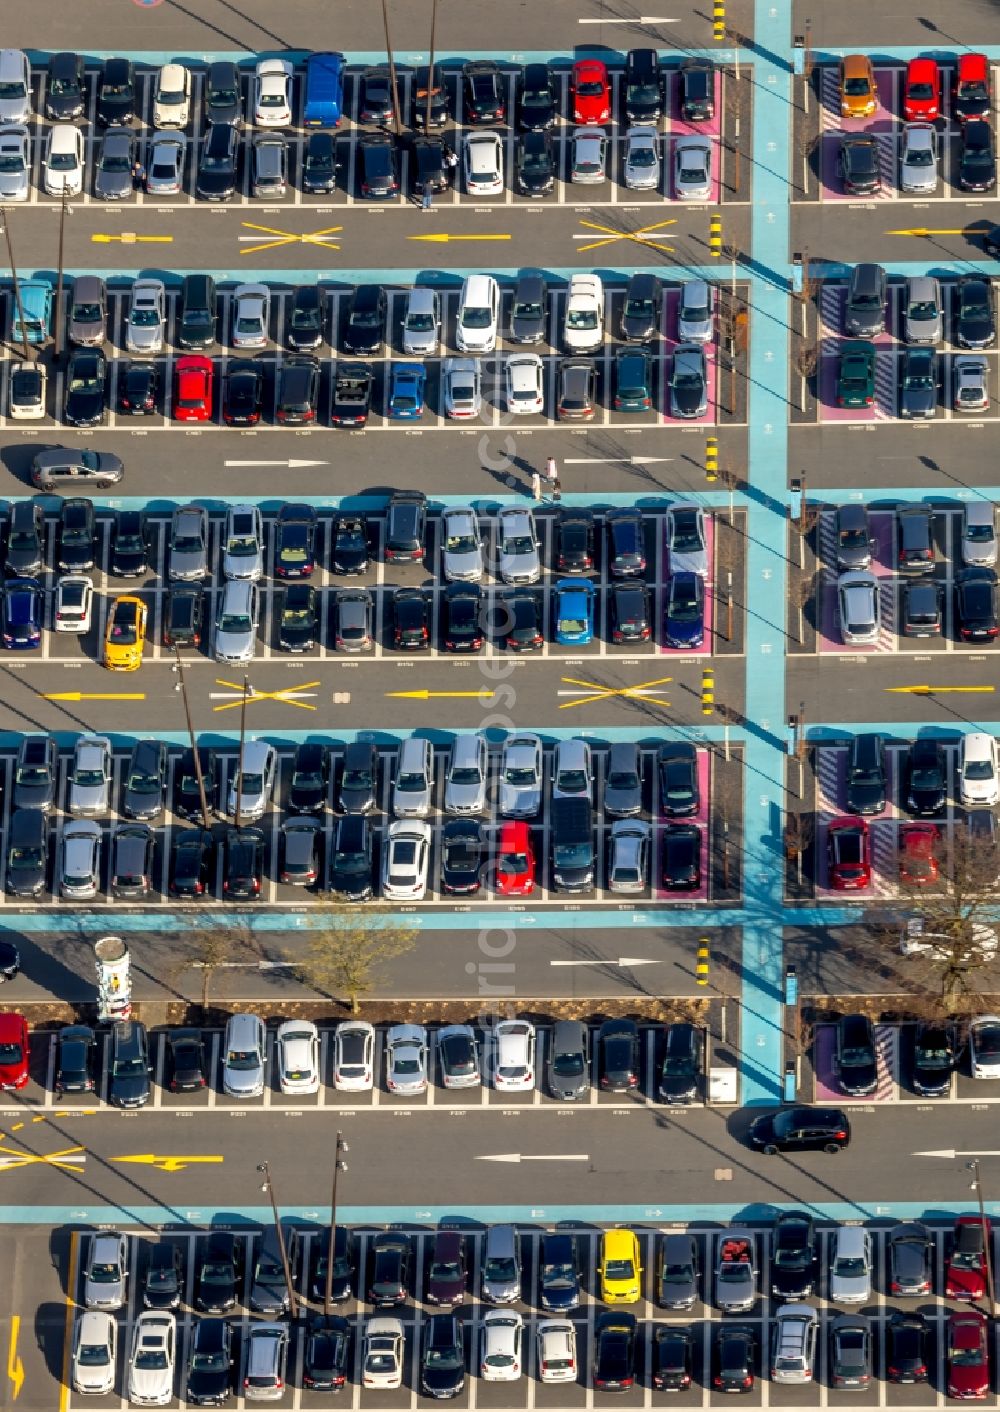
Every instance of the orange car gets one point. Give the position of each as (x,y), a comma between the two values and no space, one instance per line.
(858,96)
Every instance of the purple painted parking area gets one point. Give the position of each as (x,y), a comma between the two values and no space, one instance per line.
(833,297)
(701,818)
(827,1087)
(883,837)
(831,186)
(884,119)
(883,565)
(678,126)
(831,782)
(671,303)
(705,650)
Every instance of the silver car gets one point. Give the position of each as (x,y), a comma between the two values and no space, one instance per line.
(62,465)
(573,770)
(244,1056)
(518,546)
(460,388)
(857,599)
(689,382)
(236,621)
(88,312)
(692,169)
(15,86)
(694,312)
(461,545)
(628,856)
(918,160)
(107,1271)
(850,1279)
(114,179)
(642,159)
(589,156)
(354,620)
(15,163)
(568,1067)
(465,782)
(923,319)
(255,781)
(90,775)
(187,556)
(979,533)
(521,777)
(422,322)
(686,540)
(146,315)
(971,388)
(251,315)
(413,783)
(243,543)
(79,873)
(167,154)
(793,1344)
(406,1059)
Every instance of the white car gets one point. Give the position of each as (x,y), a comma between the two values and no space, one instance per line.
(354,1056)
(15,86)
(971,385)
(146,316)
(95,1343)
(172,96)
(918,160)
(406,1058)
(405,858)
(106,1274)
(642,159)
(984,1046)
(382,1354)
(521,777)
(298,1056)
(525,384)
(165,164)
(978,770)
(686,542)
(151,1366)
(501,1352)
(243,543)
(583,321)
(272,93)
(64,160)
(517,542)
(556,1351)
(251,315)
(15,163)
(27,389)
(483,164)
(74,603)
(693,169)
(478,316)
(461,545)
(461,388)
(513,1056)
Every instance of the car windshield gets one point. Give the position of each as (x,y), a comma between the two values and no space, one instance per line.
(144,316)
(619,1270)
(242,1059)
(235,622)
(115,162)
(144,784)
(473,317)
(642,155)
(249,323)
(581,318)
(10,1053)
(93,1355)
(520,775)
(62,161)
(919,156)
(104,1274)
(519,544)
(209,1362)
(124,631)
(83,383)
(590,88)
(151,1358)
(572,781)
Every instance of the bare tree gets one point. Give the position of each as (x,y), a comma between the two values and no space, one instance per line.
(346,947)
(215,941)
(806,359)
(803,589)
(800,830)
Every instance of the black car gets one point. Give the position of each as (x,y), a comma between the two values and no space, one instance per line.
(629,612)
(27,853)
(975,319)
(535,164)
(626,543)
(537,106)
(926,778)
(618,1056)
(574,541)
(319,165)
(641,309)
(680,1070)
(305,321)
(359,778)
(379,178)
(223,98)
(128,1082)
(145,780)
(977,603)
(66,89)
(25,539)
(36,773)
(858,162)
(129,544)
(462,856)
(697,90)
(793,1256)
(442,1357)
(328,1353)
(521,621)
(934,1060)
(733,1359)
(427,167)
(76,536)
(907,1348)
(391,1258)
(672,1357)
(243,866)
(559,1282)
(977,168)
(801,1129)
(138,388)
(209,1373)
(405,527)
(351,875)
(680,857)
(677,765)
(643,86)
(295,542)
(218,163)
(192,863)
(76,1059)
(483,89)
(677,1264)
(342,1275)
(242,392)
(856,1060)
(298,624)
(350,545)
(219,1265)
(298,391)
(184,615)
(911,1259)
(186,1061)
(364,331)
(310,778)
(918,386)
(866,775)
(116,93)
(529,310)
(186,801)
(462,629)
(86,374)
(430,101)
(164,1281)
(614,1351)
(10,961)
(410,620)
(376,103)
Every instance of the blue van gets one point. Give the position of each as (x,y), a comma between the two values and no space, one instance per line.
(324,101)
(36,302)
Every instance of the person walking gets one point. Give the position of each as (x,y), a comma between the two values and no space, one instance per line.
(556,490)
(450,161)
(551,470)
(138,175)
(536,486)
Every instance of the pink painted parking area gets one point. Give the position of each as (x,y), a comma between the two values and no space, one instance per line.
(705,650)
(828,1089)
(701,818)
(669,324)
(884,856)
(885,404)
(831,783)
(886,115)
(883,564)
(831,186)
(832,299)
(680,127)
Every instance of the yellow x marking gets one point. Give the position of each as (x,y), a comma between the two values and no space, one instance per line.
(68,1159)
(287,694)
(641,237)
(604,693)
(287,237)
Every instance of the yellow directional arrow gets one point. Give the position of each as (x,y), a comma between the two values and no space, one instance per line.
(15,1368)
(936,690)
(484,695)
(93,695)
(130,238)
(924,230)
(165,1164)
(444,239)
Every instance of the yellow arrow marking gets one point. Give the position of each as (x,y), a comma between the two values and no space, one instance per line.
(937,690)
(485,695)
(165,1164)
(443,239)
(130,238)
(15,1368)
(643,236)
(69,1159)
(604,693)
(285,694)
(287,237)
(924,230)
(93,695)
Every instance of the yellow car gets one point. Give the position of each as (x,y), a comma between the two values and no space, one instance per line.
(619,1268)
(125,635)
(858,95)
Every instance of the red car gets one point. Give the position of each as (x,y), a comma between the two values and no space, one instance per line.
(918,860)
(515,875)
(922,91)
(13,1051)
(968,1355)
(965,1273)
(591,94)
(193,388)
(848,849)
(971,92)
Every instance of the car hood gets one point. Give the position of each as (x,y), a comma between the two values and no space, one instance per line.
(149,1383)
(92,1379)
(145,339)
(519,563)
(465,796)
(234,644)
(516,799)
(689,398)
(920,399)
(464,565)
(204,1383)
(130,1088)
(243,1081)
(15,184)
(849,1287)
(113,184)
(187,563)
(14,110)
(87,797)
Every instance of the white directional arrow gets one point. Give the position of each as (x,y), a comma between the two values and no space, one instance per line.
(635,20)
(951,1154)
(616,461)
(292,465)
(531,1157)
(610,961)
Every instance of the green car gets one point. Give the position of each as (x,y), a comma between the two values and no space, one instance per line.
(856,380)
(633,381)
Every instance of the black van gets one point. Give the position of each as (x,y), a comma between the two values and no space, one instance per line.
(365,329)
(643,86)
(199,307)
(572,837)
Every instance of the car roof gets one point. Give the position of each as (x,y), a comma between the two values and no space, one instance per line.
(618,1242)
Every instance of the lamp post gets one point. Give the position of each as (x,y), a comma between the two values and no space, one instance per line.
(57,350)
(430,67)
(199,776)
(247,691)
(5,219)
(338,1166)
(392,72)
(977,1187)
(268,1186)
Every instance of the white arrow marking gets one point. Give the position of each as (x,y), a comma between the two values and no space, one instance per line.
(650,236)
(951,1154)
(292,465)
(285,692)
(526,1157)
(610,961)
(642,20)
(617,461)
(590,691)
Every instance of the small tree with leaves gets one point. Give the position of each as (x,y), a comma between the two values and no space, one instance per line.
(346,946)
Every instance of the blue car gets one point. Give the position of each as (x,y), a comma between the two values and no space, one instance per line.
(406,391)
(22,614)
(574,611)
(684,614)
